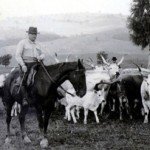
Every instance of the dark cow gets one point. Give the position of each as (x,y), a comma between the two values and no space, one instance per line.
(125,93)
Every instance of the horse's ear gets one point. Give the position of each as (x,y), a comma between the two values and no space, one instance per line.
(80,65)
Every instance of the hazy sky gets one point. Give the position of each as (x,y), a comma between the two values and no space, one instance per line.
(11,8)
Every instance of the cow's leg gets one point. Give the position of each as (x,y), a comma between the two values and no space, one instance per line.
(146,111)
(22,115)
(40,119)
(68,112)
(102,107)
(85,115)
(78,112)
(96,117)
(66,116)
(8,120)
(72,114)
(120,109)
(113,106)
(128,109)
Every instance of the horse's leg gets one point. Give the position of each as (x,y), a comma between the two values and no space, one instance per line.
(40,119)
(47,113)
(22,115)
(8,120)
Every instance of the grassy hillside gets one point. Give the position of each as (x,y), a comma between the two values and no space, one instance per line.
(12,36)
(85,35)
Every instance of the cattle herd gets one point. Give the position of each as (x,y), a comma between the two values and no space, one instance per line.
(123,92)
(110,89)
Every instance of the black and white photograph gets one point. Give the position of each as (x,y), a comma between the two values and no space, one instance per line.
(74,74)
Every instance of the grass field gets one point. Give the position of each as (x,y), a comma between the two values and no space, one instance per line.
(108,134)
(63,135)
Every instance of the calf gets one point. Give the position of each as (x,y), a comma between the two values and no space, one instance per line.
(90,101)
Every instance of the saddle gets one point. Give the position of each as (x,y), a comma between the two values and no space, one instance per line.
(30,79)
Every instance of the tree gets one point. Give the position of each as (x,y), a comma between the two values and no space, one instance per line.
(99,59)
(139,23)
(5,60)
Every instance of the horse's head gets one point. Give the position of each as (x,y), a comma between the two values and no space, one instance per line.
(78,79)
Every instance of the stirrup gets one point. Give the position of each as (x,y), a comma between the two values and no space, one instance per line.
(24,102)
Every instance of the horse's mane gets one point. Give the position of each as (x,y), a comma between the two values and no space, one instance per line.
(66,65)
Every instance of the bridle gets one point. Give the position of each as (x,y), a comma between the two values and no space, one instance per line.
(50,78)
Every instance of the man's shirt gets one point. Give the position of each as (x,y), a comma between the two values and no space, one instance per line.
(27,51)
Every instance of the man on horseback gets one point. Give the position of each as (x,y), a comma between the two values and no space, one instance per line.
(28,51)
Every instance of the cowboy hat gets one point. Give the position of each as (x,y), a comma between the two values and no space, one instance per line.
(114,58)
(32,30)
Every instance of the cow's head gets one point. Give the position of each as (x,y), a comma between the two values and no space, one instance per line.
(113,68)
(103,89)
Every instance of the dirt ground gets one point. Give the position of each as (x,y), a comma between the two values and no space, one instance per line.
(62,135)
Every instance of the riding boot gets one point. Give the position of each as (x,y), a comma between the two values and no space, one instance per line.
(25,96)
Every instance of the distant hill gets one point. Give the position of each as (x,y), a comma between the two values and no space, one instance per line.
(113,41)
(75,34)
(66,24)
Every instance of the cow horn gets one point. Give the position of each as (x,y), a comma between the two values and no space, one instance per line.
(91,59)
(67,58)
(137,67)
(105,82)
(90,63)
(121,60)
(104,60)
(56,59)
(109,82)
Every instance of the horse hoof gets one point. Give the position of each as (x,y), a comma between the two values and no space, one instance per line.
(145,121)
(44,143)
(65,118)
(131,117)
(121,119)
(27,140)
(85,123)
(7,140)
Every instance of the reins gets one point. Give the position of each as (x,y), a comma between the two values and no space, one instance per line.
(42,65)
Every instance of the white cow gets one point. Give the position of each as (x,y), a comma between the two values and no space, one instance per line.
(145,94)
(90,101)
(112,68)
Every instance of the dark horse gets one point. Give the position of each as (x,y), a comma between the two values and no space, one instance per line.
(43,94)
